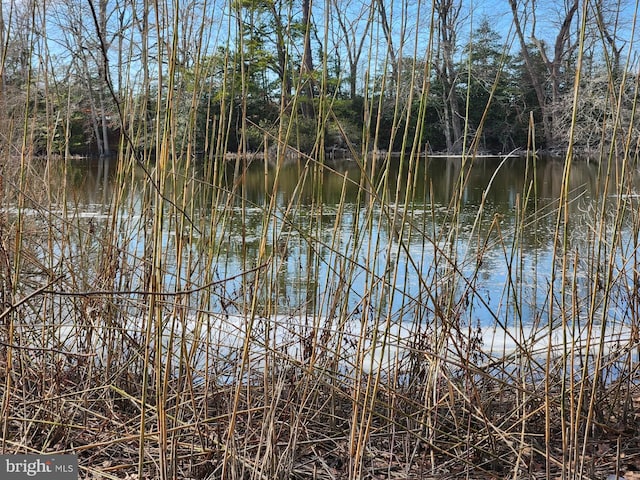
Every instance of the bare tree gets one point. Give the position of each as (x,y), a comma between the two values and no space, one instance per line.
(607,23)
(555,58)
(354,31)
(18,35)
(307,57)
(447,20)
(386,29)
(83,30)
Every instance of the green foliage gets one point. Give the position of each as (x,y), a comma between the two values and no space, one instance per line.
(487,82)
(349,114)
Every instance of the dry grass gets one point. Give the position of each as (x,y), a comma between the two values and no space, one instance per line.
(148,383)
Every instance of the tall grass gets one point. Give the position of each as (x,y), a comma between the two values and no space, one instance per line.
(154,335)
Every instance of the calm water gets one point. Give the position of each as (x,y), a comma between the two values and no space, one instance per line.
(331,247)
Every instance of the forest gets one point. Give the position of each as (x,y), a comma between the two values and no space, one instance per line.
(342,76)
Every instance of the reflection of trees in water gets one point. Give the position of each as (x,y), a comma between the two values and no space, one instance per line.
(306,250)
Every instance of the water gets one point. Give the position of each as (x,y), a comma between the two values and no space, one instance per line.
(413,248)
(325,245)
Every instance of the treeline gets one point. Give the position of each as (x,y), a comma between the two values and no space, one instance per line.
(204,78)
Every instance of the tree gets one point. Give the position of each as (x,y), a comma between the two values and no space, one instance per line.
(447,18)
(86,31)
(306,68)
(557,59)
(604,27)
(354,32)
(486,73)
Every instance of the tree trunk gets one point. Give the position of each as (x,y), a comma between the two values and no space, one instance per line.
(386,29)
(283,68)
(537,83)
(563,47)
(447,18)
(354,41)
(307,61)
(106,148)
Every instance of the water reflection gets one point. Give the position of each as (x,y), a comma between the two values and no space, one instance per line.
(396,238)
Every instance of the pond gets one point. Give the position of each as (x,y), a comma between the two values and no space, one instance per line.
(426,243)
(398,237)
